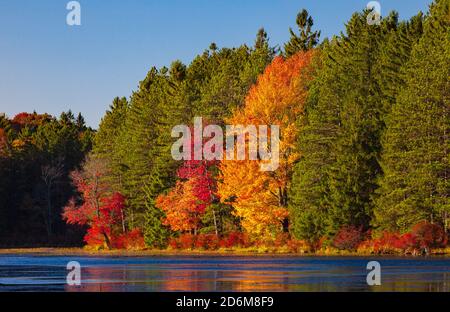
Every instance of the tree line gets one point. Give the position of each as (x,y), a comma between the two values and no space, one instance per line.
(37,153)
(364,122)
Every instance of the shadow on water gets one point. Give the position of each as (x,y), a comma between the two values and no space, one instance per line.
(37,273)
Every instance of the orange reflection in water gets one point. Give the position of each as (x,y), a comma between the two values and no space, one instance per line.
(245,278)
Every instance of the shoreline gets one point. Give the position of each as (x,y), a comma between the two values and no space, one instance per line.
(172,253)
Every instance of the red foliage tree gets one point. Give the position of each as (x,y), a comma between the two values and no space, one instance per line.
(100,210)
(33,119)
(22,118)
(105,220)
(102,220)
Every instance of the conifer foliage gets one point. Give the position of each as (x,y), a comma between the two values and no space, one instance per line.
(415,159)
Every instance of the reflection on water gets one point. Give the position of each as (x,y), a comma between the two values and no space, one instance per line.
(205,273)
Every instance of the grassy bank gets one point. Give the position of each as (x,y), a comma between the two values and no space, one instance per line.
(169,252)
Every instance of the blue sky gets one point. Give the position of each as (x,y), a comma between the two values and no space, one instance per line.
(48,66)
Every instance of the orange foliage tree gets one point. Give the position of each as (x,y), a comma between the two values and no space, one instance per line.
(179,205)
(260,198)
(185,204)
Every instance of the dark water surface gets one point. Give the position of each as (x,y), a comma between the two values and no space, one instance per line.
(208,273)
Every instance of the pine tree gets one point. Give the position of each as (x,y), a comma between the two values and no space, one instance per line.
(319,127)
(415,160)
(353,174)
(106,145)
(155,233)
(145,140)
(306,40)
(336,176)
(395,53)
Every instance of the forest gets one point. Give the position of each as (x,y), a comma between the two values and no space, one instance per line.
(364,150)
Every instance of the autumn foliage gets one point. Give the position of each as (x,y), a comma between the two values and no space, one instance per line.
(348,238)
(428,235)
(278,98)
(28,119)
(195,190)
(209,241)
(423,237)
(388,243)
(129,240)
(100,210)
(183,209)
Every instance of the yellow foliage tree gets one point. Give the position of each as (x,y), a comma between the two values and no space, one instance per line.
(260,198)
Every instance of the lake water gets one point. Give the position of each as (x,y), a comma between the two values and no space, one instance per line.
(207,273)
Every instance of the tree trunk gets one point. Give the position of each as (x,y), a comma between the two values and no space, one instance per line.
(107,241)
(283,201)
(215,222)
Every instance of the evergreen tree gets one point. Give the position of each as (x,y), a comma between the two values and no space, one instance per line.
(106,142)
(355,170)
(306,40)
(144,119)
(415,159)
(319,127)
(336,176)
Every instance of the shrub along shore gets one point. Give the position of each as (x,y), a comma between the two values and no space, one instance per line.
(425,239)
(86,252)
